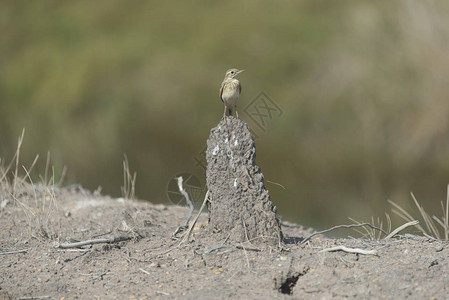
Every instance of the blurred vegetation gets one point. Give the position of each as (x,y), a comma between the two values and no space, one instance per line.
(363,86)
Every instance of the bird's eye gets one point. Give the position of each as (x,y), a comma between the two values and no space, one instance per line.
(232,72)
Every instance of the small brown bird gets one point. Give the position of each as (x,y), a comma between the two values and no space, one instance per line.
(230,91)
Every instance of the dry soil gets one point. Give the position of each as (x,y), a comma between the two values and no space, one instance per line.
(150,264)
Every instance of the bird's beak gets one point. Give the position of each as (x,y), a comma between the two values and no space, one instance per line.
(239,71)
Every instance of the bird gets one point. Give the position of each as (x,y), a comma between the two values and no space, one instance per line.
(230,91)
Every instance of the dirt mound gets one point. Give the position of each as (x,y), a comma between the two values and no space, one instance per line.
(240,207)
(151,265)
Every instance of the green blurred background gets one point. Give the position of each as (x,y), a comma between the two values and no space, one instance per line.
(363,86)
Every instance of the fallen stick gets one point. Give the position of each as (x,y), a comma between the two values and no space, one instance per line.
(189,231)
(162,293)
(14,252)
(73,250)
(350,250)
(189,202)
(246,255)
(114,239)
(248,248)
(216,248)
(400,228)
(146,272)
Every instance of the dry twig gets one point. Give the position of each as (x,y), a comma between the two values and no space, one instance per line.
(14,252)
(146,272)
(114,239)
(246,255)
(400,228)
(189,202)
(192,224)
(248,248)
(216,248)
(350,250)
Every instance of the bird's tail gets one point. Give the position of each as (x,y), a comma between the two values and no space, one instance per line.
(229,111)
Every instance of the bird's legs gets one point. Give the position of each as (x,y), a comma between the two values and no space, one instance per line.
(225,110)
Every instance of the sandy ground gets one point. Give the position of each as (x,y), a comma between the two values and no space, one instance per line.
(151,265)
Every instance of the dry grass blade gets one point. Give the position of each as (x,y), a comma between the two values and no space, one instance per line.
(427,219)
(34,163)
(359,231)
(446,216)
(438,221)
(443,222)
(19,145)
(63,174)
(376,234)
(32,184)
(129,182)
(387,216)
(50,190)
(402,213)
(47,163)
(6,171)
(15,158)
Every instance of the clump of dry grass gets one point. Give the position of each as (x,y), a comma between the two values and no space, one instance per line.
(36,201)
(373,233)
(435,228)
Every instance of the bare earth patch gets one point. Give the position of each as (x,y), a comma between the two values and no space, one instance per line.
(150,265)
